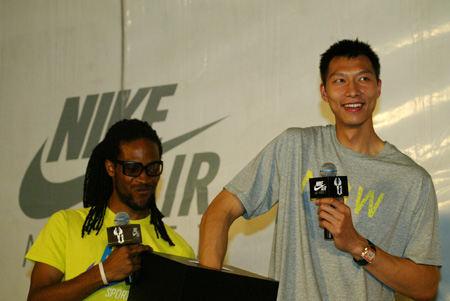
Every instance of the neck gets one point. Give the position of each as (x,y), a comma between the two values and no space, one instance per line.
(360,139)
(117,206)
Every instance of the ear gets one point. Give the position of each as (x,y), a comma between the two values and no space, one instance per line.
(110,168)
(379,88)
(323,92)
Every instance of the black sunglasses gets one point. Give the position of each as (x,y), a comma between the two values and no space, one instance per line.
(134,169)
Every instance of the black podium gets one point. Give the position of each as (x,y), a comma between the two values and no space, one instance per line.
(169,277)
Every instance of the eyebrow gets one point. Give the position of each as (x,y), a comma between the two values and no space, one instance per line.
(345,73)
(128,161)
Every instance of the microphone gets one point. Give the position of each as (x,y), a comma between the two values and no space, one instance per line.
(124,233)
(121,218)
(328,186)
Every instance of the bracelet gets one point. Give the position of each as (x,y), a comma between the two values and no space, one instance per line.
(102,273)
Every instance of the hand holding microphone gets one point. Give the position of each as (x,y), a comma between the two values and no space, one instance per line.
(328,186)
(127,237)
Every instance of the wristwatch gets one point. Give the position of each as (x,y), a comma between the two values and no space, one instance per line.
(367,255)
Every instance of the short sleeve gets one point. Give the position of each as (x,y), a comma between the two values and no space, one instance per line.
(50,245)
(424,246)
(257,184)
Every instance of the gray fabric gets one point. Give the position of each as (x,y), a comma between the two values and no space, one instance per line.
(393,204)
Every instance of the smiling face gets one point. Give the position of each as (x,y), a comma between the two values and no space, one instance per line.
(133,194)
(352,91)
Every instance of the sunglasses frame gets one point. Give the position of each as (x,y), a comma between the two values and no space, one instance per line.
(123,163)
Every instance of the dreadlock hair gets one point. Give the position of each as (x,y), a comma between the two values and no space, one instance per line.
(349,49)
(98,185)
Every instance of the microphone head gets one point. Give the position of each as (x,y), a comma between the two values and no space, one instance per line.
(122,218)
(328,170)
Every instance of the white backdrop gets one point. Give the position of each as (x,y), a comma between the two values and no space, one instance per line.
(250,65)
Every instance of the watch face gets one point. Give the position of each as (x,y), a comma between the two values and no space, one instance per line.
(370,255)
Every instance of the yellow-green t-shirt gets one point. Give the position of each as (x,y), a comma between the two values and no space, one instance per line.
(61,246)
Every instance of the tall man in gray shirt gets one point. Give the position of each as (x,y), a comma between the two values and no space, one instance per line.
(386,232)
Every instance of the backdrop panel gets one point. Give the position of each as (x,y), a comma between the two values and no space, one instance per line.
(218,80)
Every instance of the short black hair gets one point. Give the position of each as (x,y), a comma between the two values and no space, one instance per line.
(349,49)
(98,185)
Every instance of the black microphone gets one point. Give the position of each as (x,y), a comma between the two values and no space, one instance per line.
(328,186)
(124,233)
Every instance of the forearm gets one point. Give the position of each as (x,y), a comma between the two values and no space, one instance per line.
(214,227)
(77,288)
(213,242)
(416,281)
(402,275)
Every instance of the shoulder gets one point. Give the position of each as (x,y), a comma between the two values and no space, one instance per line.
(312,131)
(68,216)
(305,135)
(296,139)
(184,249)
(174,235)
(307,130)
(405,164)
(71,214)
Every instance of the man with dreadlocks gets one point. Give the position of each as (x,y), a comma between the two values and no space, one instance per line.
(72,258)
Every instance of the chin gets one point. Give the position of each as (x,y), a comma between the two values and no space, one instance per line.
(140,205)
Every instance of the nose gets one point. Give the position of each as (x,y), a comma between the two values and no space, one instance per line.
(144,178)
(352,89)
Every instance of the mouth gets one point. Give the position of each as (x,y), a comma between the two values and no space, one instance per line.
(144,189)
(353,105)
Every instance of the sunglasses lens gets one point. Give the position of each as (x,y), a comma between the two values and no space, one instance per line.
(154,169)
(133,169)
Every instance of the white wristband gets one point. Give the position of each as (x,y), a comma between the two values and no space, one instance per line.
(102,273)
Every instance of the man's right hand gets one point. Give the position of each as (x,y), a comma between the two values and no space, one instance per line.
(124,261)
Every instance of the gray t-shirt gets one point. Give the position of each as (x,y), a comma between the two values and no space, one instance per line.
(393,204)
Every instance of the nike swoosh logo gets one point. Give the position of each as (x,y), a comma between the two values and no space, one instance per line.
(39,198)
(171,144)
